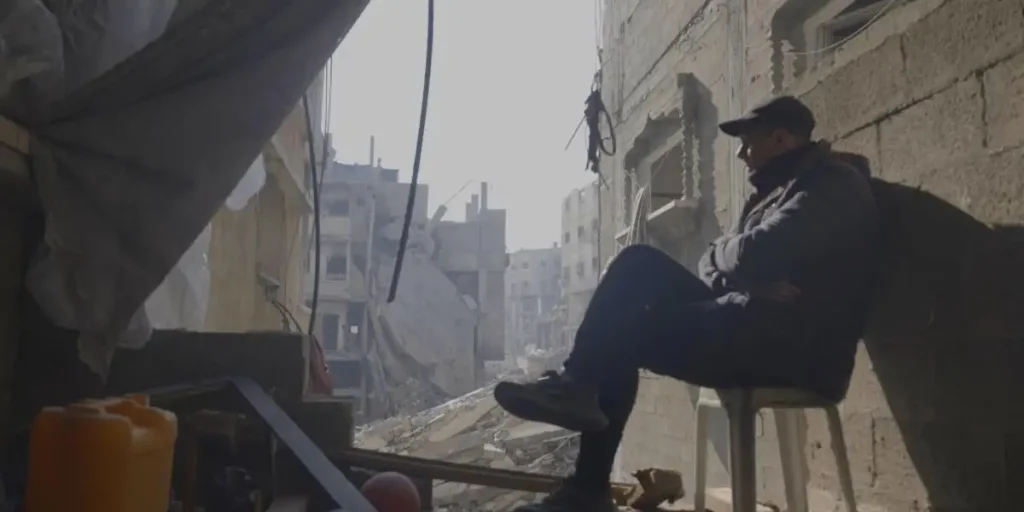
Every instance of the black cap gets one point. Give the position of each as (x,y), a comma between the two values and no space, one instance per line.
(785,113)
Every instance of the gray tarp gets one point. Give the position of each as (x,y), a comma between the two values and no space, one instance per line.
(131,166)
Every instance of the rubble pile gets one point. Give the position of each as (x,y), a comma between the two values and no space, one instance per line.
(472,429)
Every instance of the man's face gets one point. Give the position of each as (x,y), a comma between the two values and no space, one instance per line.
(760,146)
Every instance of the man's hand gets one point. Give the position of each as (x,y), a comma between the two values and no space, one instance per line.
(782,291)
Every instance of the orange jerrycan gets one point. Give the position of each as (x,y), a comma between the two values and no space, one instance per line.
(111,455)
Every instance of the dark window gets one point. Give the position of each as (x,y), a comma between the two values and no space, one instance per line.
(356,311)
(851,21)
(339,208)
(331,330)
(580,232)
(337,267)
(566,237)
(345,374)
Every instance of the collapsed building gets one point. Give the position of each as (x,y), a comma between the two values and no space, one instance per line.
(473,429)
(447,318)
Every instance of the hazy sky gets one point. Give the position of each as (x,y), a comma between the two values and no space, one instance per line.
(508,84)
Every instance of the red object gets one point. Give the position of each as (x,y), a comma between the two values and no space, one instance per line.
(319,378)
(392,492)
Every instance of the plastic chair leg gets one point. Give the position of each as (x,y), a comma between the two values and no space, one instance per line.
(701,463)
(743,465)
(791,454)
(835,427)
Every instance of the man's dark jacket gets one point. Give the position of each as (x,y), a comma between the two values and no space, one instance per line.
(812,221)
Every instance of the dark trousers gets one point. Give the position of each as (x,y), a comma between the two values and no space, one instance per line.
(647,312)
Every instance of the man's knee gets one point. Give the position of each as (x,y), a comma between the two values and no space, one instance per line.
(639,257)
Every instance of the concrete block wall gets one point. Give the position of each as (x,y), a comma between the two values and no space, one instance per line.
(932,94)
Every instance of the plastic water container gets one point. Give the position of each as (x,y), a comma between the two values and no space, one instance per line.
(111,455)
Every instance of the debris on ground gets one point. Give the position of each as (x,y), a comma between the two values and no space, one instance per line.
(656,486)
(473,429)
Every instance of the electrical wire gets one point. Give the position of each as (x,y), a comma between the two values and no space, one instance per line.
(314,182)
(287,315)
(404,240)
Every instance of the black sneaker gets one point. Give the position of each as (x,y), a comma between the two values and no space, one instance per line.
(553,399)
(571,499)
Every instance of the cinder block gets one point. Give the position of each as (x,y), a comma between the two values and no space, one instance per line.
(1004,104)
(936,132)
(976,380)
(818,454)
(958,38)
(858,429)
(988,187)
(860,92)
(898,480)
(865,393)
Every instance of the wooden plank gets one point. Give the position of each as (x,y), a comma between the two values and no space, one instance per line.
(453,472)
(276,360)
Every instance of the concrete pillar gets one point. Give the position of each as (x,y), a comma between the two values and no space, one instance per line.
(472,208)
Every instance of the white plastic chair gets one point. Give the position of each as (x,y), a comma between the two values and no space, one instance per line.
(742,406)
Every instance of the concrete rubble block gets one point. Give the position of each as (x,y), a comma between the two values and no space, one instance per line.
(958,38)
(529,434)
(463,421)
(452,447)
(937,132)
(860,92)
(656,487)
(1004,104)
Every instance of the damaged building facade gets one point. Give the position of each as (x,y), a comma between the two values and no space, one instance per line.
(932,92)
(430,343)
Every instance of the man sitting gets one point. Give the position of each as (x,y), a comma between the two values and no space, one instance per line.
(781,301)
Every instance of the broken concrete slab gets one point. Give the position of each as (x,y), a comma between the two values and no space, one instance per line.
(461,422)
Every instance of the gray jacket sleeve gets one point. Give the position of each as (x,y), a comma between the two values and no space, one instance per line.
(833,204)
(708,271)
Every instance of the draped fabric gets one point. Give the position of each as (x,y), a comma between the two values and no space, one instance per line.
(131,166)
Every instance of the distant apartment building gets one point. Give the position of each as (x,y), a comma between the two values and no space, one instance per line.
(581,264)
(532,295)
(357,201)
